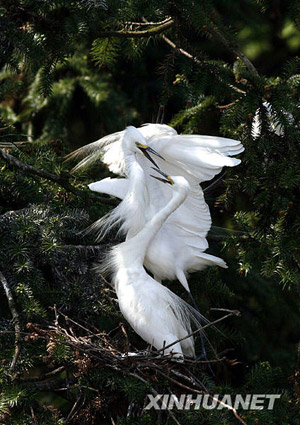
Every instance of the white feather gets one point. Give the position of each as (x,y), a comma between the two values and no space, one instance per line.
(113,187)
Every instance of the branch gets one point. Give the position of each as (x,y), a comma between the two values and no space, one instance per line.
(223,237)
(88,247)
(233,48)
(60,384)
(193,58)
(155,393)
(189,56)
(14,313)
(75,408)
(44,376)
(137,34)
(202,392)
(107,355)
(62,179)
(175,47)
(148,24)
(231,313)
(180,50)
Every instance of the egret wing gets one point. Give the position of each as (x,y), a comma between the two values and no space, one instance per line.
(113,187)
(197,158)
(201,156)
(93,152)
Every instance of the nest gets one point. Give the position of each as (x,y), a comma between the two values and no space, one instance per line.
(92,349)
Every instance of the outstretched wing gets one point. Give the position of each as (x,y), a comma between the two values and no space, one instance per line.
(198,159)
(108,149)
(201,156)
(93,152)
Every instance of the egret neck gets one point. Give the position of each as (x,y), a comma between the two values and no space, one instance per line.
(142,240)
(137,192)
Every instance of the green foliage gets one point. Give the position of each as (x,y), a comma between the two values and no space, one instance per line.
(47,118)
(105,51)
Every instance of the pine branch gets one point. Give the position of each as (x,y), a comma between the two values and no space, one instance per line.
(193,58)
(15,315)
(189,55)
(87,247)
(136,34)
(58,385)
(214,31)
(180,50)
(62,180)
(146,24)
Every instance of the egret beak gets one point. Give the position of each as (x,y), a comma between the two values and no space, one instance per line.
(167,178)
(146,149)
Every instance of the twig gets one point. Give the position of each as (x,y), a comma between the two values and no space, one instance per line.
(214,31)
(137,34)
(192,57)
(202,392)
(33,415)
(45,375)
(78,324)
(14,135)
(62,179)
(112,421)
(73,410)
(79,345)
(232,313)
(215,183)
(145,24)
(57,385)
(180,50)
(219,237)
(87,247)
(229,105)
(225,310)
(155,393)
(5,128)
(13,310)
(56,316)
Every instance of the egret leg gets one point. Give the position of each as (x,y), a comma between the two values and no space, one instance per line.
(202,355)
(183,280)
(193,302)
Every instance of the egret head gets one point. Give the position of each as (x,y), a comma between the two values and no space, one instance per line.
(178,183)
(135,142)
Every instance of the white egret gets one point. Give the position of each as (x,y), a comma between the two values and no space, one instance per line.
(155,313)
(178,248)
